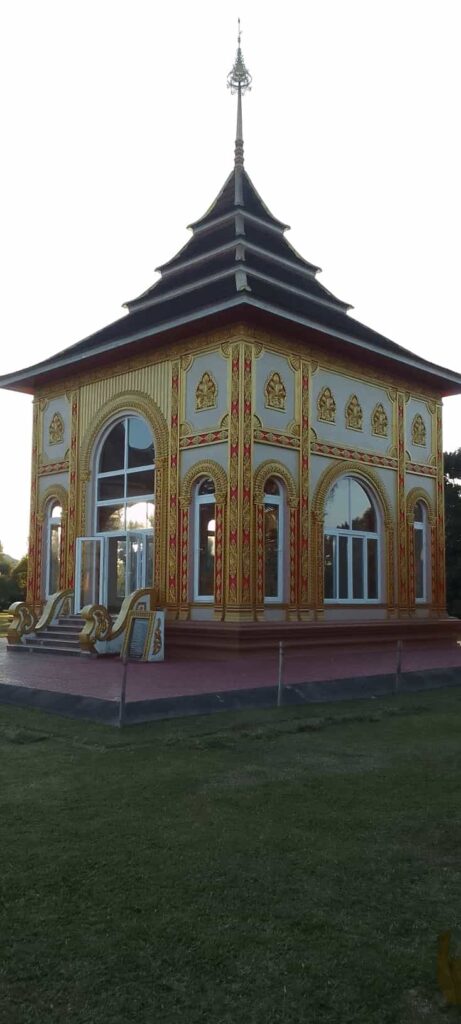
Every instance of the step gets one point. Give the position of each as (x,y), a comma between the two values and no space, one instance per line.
(62,633)
(31,648)
(46,641)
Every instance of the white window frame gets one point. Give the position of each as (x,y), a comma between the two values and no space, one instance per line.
(124,473)
(201,499)
(364,536)
(50,522)
(422,528)
(277,499)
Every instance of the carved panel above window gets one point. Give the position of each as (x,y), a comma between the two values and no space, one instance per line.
(379,421)
(56,429)
(206,393)
(275,392)
(418,431)
(354,414)
(326,406)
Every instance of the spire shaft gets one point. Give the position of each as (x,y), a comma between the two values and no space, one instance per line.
(238,81)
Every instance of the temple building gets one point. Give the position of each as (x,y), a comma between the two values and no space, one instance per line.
(240,448)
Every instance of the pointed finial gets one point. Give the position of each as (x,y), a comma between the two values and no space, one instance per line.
(238,81)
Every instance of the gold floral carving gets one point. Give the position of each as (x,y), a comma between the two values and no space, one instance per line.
(186,361)
(247,475)
(379,421)
(206,392)
(326,406)
(233,566)
(224,422)
(275,392)
(186,429)
(418,431)
(354,414)
(56,429)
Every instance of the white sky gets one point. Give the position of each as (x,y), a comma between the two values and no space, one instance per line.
(118,131)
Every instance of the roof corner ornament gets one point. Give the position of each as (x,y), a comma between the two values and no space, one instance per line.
(238,81)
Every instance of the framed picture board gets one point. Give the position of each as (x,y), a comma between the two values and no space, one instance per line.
(144,636)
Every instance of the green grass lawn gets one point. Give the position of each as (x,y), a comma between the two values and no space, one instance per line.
(279,866)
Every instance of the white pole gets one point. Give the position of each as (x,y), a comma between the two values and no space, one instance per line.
(121,709)
(279,688)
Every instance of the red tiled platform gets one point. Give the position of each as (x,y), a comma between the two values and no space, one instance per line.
(100,678)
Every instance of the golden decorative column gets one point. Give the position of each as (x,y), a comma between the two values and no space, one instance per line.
(33,585)
(439,545)
(402,562)
(308,571)
(239,604)
(173,505)
(73,511)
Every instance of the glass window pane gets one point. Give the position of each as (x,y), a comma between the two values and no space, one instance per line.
(207,529)
(329,563)
(372,555)
(271,550)
(140,483)
(419,513)
(90,568)
(362,512)
(116,568)
(271,486)
(357,568)
(55,559)
(206,487)
(419,564)
(111,518)
(111,487)
(140,445)
(343,591)
(56,512)
(337,506)
(149,542)
(139,515)
(113,452)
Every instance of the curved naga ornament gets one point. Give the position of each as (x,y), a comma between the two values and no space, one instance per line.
(98,625)
(24,621)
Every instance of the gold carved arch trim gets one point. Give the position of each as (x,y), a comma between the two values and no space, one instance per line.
(368,476)
(263,473)
(55,492)
(207,467)
(417,494)
(270,468)
(126,404)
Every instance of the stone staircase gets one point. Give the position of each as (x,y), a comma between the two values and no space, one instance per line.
(60,638)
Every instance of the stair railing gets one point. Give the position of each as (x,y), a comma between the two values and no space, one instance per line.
(25,621)
(103,635)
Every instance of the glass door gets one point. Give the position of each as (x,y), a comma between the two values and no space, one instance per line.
(89,572)
(140,547)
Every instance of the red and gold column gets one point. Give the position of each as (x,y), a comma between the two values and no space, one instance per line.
(239,605)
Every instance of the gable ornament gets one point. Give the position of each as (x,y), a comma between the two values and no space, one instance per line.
(418,431)
(206,393)
(326,406)
(56,429)
(379,421)
(275,392)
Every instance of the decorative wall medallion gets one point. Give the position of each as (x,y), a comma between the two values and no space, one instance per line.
(326,406)
(379,421)
(418,431)
(56,429)
(275,392)
(354,414)
(205,393)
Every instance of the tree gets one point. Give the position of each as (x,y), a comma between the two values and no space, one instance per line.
(452,467)
(19,576)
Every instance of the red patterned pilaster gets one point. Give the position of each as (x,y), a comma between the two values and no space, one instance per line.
(219,559)
(72,514)
(32,595)
(440,521)
(246,477)
(172,557)
(305,587)
(401,508)
(233,568)
(293,530)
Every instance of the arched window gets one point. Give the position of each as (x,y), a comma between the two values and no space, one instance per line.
(53,548)
(204,541)
(420,542)
(125,508)
(273,541)
(351,544)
